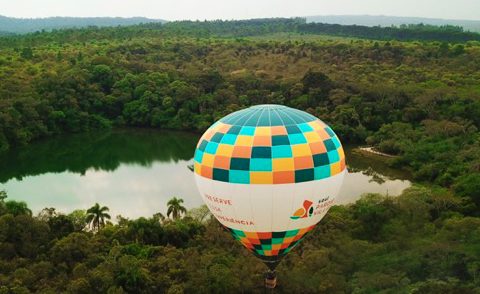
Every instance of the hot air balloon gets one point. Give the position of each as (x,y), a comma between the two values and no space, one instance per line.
(269,174)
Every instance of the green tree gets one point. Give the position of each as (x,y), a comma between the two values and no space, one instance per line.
(130,274)
(47,213)
(96,216)
(17,208)
(61,225)
(79,219)
(315,79)
(175,208)
(200,214)
(27,53)
(3,195)
(102,74)
(72,249)
(469,186)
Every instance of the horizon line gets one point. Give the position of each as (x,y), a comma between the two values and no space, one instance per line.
(240,18)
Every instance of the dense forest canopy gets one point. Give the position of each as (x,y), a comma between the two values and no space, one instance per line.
(417,100)
(418,242)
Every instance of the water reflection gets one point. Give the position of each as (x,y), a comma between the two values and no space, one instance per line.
(98,151)
(369,173)
(136,171)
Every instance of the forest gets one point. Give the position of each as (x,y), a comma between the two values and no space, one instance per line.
(419,242)
(418,100)
(238,29)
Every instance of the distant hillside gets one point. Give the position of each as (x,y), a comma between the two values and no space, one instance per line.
(386,21)
(248,28)
(258,27)
(2,33)
(28,25)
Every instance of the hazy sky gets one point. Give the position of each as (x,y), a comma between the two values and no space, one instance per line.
(239,9)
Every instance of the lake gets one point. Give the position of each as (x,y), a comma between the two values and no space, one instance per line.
(136,171)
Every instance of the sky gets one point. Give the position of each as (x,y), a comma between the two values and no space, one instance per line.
(240,9)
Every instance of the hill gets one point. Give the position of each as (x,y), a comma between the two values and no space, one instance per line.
(386,21)
(245,28)
(28,25)
(234,28)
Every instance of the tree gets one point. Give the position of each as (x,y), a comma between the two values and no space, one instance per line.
(316,79)
(130,274)
(17,208)
(200,214)
(46,214)
(159,217)
(72,249)
(61,225)
(145,231)
(96,216)
(27,53)
(175,208)
(3,195)
(79,219)
(469,186)
(372,211)
(102,74)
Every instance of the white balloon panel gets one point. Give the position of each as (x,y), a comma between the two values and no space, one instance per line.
(269,208)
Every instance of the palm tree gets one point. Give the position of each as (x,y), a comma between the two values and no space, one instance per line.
(96,216)
(175,207)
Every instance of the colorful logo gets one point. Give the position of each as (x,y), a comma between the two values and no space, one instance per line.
(305,211)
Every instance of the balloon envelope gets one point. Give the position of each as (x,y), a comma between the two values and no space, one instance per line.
(269,173)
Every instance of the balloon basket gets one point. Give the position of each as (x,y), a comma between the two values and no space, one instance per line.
(270,279)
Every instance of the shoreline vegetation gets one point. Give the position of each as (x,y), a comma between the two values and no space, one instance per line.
(418,100)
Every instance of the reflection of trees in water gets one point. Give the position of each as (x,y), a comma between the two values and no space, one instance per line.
(376,168)
(101,151)
(374,176)
(107,150)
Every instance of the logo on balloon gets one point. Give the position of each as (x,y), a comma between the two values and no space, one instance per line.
(305,211)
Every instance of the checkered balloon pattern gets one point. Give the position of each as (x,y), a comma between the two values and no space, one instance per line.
(269,244)
(269,144)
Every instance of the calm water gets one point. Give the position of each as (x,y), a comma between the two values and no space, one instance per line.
(135,172)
